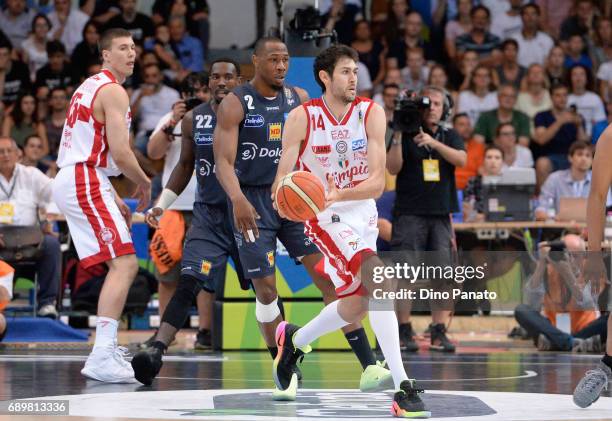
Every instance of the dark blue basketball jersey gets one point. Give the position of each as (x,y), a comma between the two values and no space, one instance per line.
(259,139)
(209,190)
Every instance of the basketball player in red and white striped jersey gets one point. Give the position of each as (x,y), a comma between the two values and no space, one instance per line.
(340,138)
(95,145)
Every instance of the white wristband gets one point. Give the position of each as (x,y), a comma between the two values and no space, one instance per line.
(166,199)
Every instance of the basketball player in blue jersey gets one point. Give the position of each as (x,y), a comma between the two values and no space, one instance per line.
(210,240)
(247,146)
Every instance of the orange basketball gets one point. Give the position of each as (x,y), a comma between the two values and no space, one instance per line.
(300,196)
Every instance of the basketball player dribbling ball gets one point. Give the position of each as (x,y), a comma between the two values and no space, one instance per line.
(94,145)
(340,138)
(596,380)
(247,145)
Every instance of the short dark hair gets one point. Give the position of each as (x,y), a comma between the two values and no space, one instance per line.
(260,45)
(188,84)
(328,58)
(106,40)
(579,145)
(480,7)
(501,126)
(507,42)
(58,88)
(32,136)
(226,60)
(558,86)
(460,115)
(533,6)
(55,47)
(494,148)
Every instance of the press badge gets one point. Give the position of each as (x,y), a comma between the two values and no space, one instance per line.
(431,170)
(7,212)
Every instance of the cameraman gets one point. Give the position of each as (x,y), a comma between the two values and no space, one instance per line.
(557,286)
(424,160)
(165,142)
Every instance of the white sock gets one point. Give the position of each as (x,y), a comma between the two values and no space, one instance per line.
(325,322)
(384,325)
(106,332)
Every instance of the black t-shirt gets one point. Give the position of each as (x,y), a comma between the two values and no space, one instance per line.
(82,56)
(46,77)
(399,49)
(141,27)
(16,81)
(415,196)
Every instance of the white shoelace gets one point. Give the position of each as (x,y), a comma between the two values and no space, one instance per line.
(121,354)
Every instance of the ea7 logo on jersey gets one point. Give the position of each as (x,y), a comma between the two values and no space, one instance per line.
(202,139)
(358,144)
(254,120)
(275,131)
(340,134)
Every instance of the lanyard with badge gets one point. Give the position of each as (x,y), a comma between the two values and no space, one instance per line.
(7,209)
(431,167)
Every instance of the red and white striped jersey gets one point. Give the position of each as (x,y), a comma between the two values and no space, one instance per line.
(336,148)
(84,138)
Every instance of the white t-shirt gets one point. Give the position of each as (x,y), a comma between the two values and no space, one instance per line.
(591,108)
(605,71)
(474,105)
(504,26)
(73,29)
(185,200)
(22,195)
(36,58)
(523,159)
(153,107)
(534,50)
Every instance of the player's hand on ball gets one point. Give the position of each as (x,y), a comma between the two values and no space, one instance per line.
(152,217)
(594,270)
(275,186)
(244,219)
(333,194)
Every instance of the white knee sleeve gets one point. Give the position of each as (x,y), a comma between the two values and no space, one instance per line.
(265,313)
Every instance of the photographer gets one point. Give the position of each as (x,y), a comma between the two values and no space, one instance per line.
(424,154)
(558,287)
(165,142)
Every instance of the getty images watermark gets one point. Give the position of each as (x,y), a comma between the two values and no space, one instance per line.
(403,272)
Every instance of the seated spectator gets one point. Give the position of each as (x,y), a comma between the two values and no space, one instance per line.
(555,71)
(508,23)
(515,155)
(397,54)
(188,49)
(572,182)
(22,122)
(139,24)
(533,44)
(600,46)
(371,53)
(489,120)
(509,71)
(86,52)
(535,97)
(479,96)
(35,46)
(461,77)
(600,126)
(576,53)
(194,12)
(67,24)
(459,26)
(394,23)
(7,273)
(56,72)
(474,149)
(342,18)
(580,22)
(416,72)
(555,132)
(553,14)
(556,287)
(473,199)
(150,102)
(588,103)
(16,21)
(33,154)
(14,73)
(100,11)
(604,80)
(23,191)
(165,55)
(393,77)
(479,39)
(55,118)
(41,93)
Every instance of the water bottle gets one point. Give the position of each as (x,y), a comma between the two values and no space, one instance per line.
(551,212)
(66,301)
(473,214)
